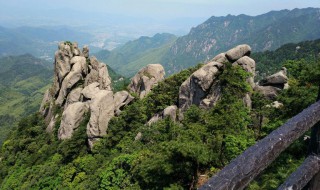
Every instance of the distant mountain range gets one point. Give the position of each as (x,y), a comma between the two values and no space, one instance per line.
(132,56)
(218,34)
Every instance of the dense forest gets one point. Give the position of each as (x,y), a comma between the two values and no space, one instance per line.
(168,154)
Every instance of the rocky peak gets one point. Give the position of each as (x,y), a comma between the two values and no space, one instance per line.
(81,85)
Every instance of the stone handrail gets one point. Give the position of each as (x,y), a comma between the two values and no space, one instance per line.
(238,174)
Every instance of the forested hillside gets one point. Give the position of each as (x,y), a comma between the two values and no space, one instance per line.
(263,32)
(271,61)
(167,154)
(23,80)
(134,55)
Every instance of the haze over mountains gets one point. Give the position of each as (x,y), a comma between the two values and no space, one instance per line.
(163,106)
(264,32)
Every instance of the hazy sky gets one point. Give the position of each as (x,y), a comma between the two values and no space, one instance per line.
(186,13)
(159,8)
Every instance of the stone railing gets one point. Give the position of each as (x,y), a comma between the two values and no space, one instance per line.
(243,169)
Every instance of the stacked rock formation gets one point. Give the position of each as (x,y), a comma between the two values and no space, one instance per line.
(272,85)
(81,86)
(203,88)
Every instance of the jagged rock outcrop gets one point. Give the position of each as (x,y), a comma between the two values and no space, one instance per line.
(197,87)
(146,78)
(273,84)
(77,73)
(170,111)
(203,87)
(121,99)
(71,119)
(81,85)
(101,111)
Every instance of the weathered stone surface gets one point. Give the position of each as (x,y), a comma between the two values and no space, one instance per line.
(237,52)
(247,101)
(146,78)
(138,136)
(71,119)
(62,64)
(75,49)
(79,69)
(102,110)
(121,99)
(248,65)
(197,86)
(98,73)
(277,78)
(45,104)
(272,85)
(212,97)
(52,124)
(244,168)
(170,111)
(269,92)
(74,96)
(277,104)
(221,58)
(90,91)
(85,51)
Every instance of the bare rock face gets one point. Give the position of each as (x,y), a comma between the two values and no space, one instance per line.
(198,85)
(203,87)
(248,65)
(170,111)
(85,51)
(221,58)
(146,78)
(269,92)
(90,91)
(81,84)
(74,96)
(273,84)
(121,99)
(79,69)
(237,52)
(75,49)
(102,110)
(279,78)
(71,119)
(98,73)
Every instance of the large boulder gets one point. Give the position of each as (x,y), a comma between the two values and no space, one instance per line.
(71,119)
(170,112)
(221,58)
(198,85)
(269,92)
(237,52)
(146,79)
(279,78)
(273,84)
(121,99)
(101,110)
